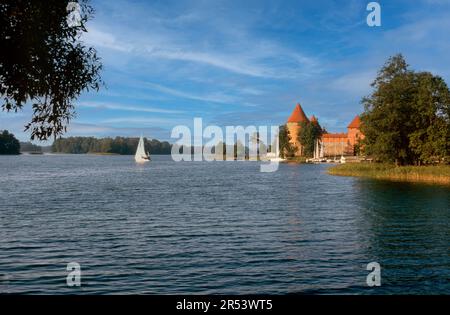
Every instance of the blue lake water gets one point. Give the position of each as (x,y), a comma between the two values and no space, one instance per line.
(215,228)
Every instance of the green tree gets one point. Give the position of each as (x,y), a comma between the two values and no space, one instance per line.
(8,143)
(430,139)
(406,118)
(118,145)
(43,62)
(239,150)
(29,147)
(220,150)
(286,148)
(261,148)
(309,133)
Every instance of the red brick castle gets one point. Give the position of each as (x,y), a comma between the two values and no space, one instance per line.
(334,144)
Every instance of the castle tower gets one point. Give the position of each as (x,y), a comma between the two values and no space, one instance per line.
(313,119)
(354,131)
(293,125)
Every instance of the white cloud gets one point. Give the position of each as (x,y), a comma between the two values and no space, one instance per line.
(242,55)
(227,62)
(354,84)
(96,37)
(98,130)
(124,107)
(211,97)
(87,129)
(139,120)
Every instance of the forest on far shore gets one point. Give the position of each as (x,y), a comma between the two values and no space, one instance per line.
(117,145)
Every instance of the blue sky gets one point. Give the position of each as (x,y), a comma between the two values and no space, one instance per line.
(245,62)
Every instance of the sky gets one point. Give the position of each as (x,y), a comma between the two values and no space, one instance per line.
(244,62)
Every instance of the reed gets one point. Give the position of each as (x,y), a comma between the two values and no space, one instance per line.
(439,174)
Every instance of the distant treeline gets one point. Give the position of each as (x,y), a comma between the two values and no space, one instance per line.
(128,146)
(29,147)
(118,145)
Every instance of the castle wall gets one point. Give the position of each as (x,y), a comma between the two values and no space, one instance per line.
(334,145)
(354,135)
(294,130)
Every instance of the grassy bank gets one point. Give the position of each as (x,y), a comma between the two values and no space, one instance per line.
(429,174)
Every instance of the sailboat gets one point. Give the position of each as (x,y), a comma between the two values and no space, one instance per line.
(321,153)
(141,156)
(342,160)
(318,152)
(275,156)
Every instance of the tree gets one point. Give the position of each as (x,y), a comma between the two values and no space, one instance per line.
(286,148)
(118,145)
(386,122)
(8,143)
(239,150)
(29,147)
(406,118)
(309,133)
(220,150)
(43,62)
(431,138)
(261,148)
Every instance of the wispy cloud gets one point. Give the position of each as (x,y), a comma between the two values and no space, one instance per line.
(141,121)
(355,84)
(100,38)
(255,58)
(234,64)
(89,129)
(129,108)
(211,97)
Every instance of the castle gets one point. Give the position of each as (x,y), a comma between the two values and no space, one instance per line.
(334,144)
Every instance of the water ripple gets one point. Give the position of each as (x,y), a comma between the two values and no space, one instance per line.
(211,228)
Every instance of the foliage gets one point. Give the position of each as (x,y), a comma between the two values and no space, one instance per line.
(261,148)
(118,145)
(220,148)
(309,133)
(407,117)
(8,143)
(43,62)
(286,148)
(239,150)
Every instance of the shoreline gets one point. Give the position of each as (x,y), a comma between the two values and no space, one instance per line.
(437,175)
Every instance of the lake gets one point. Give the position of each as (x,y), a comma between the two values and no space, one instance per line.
(215,228)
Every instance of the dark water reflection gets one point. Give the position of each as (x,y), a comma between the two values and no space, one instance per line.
(219,227)
(408,229)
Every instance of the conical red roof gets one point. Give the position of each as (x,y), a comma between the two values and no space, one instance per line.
(356,122)
(298,115)
(313,119)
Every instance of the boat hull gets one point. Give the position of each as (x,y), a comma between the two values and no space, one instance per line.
(141,160)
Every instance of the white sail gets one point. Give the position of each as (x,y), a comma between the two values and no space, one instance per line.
(316,149)
(275,156)
(140,155)
(321,155)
